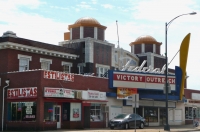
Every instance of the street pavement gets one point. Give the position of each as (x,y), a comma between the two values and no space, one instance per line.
(183,128)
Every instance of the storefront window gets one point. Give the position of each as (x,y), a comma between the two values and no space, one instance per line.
(21,111)
(192,113)
(95,112)
(48,111)
(151,114)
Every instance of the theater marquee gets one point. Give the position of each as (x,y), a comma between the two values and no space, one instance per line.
(140,80)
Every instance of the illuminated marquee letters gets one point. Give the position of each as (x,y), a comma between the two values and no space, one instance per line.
(143,69)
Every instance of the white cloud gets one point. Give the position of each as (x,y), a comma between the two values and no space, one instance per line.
(57,7)
(85,5)
(162,10)
(31,26)
(94,1)
(107,6)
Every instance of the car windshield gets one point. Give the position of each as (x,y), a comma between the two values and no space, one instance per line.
(121,116)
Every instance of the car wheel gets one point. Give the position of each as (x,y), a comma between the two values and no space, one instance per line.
(141,125)
(126,126)
(111,127)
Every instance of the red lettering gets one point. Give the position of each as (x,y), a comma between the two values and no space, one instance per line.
(8,91)
(31,92)
(24,92)
(20,92)
(35,91)
(12,93)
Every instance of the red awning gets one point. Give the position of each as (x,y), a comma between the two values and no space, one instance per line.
(95,101)
(62,100)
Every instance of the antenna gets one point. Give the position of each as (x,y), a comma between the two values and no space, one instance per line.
(117,35)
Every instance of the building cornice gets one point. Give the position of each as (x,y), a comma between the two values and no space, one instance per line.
(21,47)
(84,39)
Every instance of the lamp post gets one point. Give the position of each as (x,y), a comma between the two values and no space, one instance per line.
(7,82)
(167,127)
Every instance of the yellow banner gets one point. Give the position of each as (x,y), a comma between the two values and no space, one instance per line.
(123,93)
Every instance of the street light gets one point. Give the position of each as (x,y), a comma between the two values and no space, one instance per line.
(167,127)
(7,82)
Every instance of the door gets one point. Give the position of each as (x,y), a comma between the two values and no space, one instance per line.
(57,115)
(86,116)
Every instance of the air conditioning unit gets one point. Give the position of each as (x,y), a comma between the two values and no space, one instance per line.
(105,109)
(78,94)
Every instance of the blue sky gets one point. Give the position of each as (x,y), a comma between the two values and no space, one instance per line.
(47,20)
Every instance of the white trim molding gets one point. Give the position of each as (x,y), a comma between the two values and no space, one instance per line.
(103,66)
(47,60)
(24,56)
(66,63)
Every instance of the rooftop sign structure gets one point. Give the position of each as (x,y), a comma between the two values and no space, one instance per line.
(143,69)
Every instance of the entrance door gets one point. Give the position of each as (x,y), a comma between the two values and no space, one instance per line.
(57,115)
(162,116)
(86,116)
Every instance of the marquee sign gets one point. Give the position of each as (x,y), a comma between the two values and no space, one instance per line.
(143,69)
(58,92)
(138,80)
(59,75)
(13,93)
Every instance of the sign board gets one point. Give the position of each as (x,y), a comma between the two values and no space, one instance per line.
(138,80)
(59,75)
(58,92)
(28,92)
(123,93)
(93,95)
(135,100)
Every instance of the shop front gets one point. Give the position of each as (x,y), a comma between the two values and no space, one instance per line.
(21,108)
(192,108)
(60,106)
(152,100)
(94,108)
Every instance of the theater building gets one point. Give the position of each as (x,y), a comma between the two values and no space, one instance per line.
(70,85)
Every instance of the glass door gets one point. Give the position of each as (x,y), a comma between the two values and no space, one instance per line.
(57,115)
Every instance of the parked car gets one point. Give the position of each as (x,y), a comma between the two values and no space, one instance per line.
(126,121)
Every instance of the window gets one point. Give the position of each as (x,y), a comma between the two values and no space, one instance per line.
(192,113)
(81,68)
(66,67)
(45,63)
(151,114)
(21,111)
(102,70)
(48,111)
(24,62)
(95,112)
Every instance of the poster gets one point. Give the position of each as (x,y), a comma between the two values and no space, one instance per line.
(76,113)
(123,93)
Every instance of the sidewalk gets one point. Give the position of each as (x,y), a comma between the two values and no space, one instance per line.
(179,128)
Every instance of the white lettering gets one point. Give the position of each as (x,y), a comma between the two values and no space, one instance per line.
(143,69)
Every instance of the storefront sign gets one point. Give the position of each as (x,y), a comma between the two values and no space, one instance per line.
(59,75)
(123,93)
(58,92)
(93,95)
(143,69)
(147,81)
(196,96)
(28,92)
